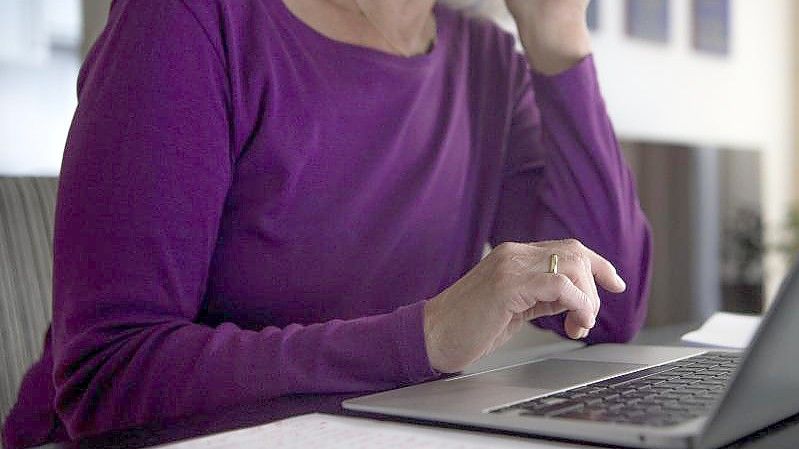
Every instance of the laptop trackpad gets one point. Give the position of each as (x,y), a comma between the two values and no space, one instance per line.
(553,374)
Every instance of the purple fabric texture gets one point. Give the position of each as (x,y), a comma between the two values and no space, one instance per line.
(248,209)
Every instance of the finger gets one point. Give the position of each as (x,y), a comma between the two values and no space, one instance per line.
(574,263)
(604,271)
(531,313)
(553,308)
(578,268)
(548,287)
(572,328)
(545,309)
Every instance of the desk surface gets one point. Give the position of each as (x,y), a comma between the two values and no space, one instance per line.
(526,346)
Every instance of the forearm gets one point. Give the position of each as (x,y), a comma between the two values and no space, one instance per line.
(554,33)
(134,372)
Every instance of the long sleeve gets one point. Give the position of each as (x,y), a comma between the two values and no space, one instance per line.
(565,177)
(144,180)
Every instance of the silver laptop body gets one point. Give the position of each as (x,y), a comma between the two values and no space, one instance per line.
(761,390)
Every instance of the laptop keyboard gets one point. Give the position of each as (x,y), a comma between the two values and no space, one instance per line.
(659,396)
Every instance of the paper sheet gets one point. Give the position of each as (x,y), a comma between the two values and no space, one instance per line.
(730,330)
(329,431)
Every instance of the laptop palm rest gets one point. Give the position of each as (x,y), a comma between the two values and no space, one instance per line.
(552,374)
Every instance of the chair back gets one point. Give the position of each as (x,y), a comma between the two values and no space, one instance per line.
(27,205)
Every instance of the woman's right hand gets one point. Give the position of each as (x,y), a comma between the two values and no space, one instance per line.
(509,287)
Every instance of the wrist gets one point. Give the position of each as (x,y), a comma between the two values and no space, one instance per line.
(429,331)
(554,33)
(553,49)
(432,336)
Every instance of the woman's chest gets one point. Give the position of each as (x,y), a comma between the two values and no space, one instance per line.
(347,203)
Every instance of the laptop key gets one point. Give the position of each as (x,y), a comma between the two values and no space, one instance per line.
(694,389)
(667,396)
(571,408)
(546,409)
(588,415)
(640,396)
(592,401)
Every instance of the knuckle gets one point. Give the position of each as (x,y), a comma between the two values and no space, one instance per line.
(507,265)
(577,259)
(573,244)
(582,259)
(561,282)
(505,275)
(506,249)
(519,300)
(590,304)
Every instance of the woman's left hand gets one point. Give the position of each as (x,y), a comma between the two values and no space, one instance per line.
(554,32)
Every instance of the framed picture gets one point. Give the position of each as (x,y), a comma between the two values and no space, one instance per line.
(648,20)
(711,26)
(593,15)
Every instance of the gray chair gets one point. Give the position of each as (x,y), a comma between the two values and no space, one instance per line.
(26,256)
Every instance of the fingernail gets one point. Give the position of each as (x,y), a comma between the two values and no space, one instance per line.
(583,333)
(620,282)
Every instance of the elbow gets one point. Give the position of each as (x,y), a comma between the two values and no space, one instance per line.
(617,329)
(90,383)
(617,334)
(625,314)
(627,333)
(78,398)
(623,317)
(624,332)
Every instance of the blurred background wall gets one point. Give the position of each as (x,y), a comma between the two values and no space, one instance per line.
(711,135)
(39,59)
(733,115)
(672,94)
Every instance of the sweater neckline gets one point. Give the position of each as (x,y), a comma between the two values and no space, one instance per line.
(372,54)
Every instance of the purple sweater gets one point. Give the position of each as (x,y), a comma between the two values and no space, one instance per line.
(249,210)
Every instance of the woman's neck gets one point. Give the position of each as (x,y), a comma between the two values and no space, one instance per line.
(407,25)
(404,27)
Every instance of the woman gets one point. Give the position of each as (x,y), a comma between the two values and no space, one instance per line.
(266,199)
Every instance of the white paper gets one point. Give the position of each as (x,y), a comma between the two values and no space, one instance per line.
(320,431)
(729,330)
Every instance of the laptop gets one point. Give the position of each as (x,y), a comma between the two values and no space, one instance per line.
(638,396)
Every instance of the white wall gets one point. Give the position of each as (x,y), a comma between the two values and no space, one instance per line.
(23,33)
(64,22)
(745,100)
(37,82)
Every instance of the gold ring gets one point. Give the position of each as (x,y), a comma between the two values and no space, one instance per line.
(553,264)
